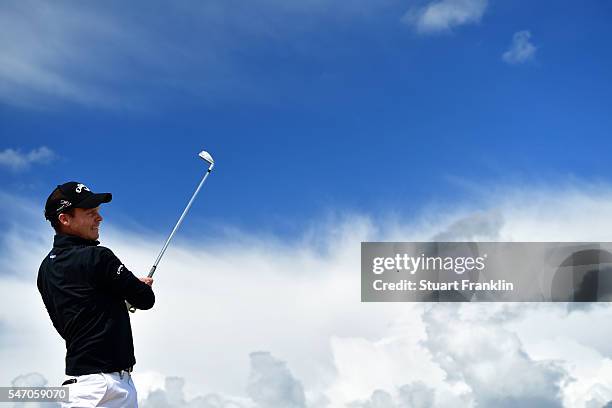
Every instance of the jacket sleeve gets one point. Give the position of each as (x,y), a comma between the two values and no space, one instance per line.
(110,274)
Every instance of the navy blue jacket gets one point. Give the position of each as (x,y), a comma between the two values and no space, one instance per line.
(84,287)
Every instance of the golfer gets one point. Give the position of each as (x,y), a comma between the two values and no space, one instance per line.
(84,287)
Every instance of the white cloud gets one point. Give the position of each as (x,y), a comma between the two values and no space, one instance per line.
(379,399)
(414,395)
(16,160)
(300,300)
(104,56)
(172,395)
(443,15)
(33,380)
(47,53)
(271,384)
(29,380)
(491,360)
(521,50)
(53,54)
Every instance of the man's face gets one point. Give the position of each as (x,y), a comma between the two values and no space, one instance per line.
(85,223)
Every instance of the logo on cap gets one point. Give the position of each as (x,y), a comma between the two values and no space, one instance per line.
(63,205)
(80,187)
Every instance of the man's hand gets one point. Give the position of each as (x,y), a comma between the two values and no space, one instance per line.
(147,280)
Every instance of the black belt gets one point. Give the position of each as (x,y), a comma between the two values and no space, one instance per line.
(74,380)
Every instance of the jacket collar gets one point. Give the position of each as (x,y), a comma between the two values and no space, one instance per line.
(66,241)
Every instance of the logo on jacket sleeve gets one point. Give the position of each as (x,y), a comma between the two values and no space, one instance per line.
(119,269)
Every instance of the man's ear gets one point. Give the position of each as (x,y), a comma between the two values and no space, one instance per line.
(64,219)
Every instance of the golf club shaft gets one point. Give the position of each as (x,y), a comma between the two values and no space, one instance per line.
(179,222)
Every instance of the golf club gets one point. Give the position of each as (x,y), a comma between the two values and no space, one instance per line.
(204,155)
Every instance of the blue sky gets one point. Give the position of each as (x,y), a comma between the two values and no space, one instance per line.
(308,108)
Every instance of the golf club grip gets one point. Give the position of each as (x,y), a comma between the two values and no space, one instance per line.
(152,271)
(131,308)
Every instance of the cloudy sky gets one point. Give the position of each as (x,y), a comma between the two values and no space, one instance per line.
(332,123)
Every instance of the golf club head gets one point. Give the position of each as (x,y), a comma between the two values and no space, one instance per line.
(206,157)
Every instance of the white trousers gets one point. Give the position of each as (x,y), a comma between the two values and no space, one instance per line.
(112,390)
